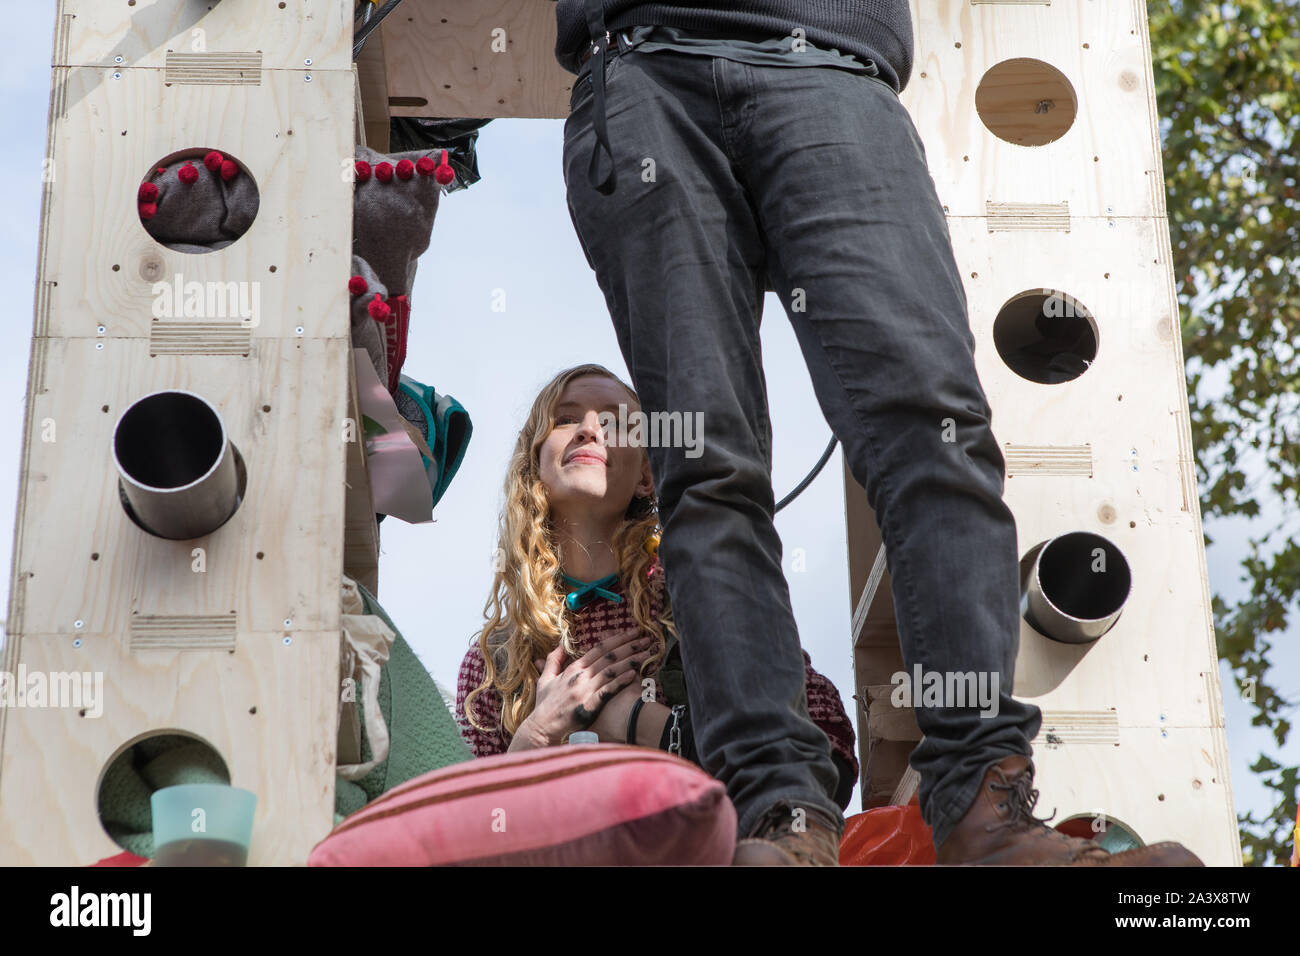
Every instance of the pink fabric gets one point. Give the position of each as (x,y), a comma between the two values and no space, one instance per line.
(575,805)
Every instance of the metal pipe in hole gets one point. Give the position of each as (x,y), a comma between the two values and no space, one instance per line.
(1077,588)
(176,466)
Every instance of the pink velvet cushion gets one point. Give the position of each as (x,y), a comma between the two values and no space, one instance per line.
(581,805)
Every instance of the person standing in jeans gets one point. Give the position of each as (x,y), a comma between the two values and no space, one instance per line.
(714,150)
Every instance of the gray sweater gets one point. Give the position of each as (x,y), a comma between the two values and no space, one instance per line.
(876,30)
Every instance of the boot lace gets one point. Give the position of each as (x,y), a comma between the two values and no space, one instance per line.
(1021,800)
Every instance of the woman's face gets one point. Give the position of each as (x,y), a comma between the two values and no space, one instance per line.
(583,475)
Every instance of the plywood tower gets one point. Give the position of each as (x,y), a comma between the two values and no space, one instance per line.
(238,644)
(1039,124)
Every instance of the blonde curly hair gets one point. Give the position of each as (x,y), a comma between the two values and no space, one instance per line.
(526,615)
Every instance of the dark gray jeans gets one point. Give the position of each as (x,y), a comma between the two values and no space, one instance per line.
(729,176)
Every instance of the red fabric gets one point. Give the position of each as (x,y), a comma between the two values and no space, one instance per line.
(586,805)
(229,170)
(425,165)
(188,174)
(357,285)
(148,192)
(122,859)
(384,172)
(396,325)
(363,170)
(887,836)
(405,169)
(591,624)
(213,161)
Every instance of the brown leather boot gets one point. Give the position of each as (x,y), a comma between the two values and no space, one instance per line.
(1000,829)
(774,843)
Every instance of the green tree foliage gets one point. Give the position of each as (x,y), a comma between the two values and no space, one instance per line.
(1228,88)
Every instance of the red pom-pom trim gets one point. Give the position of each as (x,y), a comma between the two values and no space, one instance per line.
(384,172)
(148,192)
(444,173)
(148,210)
(363,171)
(357,285)
(213,161)
(405,169)
(378,309)
(161,170)
(424,166)
(229,170)
(188,174)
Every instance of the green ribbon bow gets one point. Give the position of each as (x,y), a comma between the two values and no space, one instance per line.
(586,589)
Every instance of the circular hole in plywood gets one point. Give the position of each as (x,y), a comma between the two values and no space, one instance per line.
(197,200)
(152,761)
(1026,102)
(1046,336)
(1114,836)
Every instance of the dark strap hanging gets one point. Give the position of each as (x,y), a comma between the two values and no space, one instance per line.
(600,46)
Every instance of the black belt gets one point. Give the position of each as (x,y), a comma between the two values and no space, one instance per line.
(599,47)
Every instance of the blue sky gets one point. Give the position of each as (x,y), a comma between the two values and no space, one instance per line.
(512,232)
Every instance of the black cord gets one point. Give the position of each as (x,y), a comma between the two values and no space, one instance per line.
(808,479)
(369,26)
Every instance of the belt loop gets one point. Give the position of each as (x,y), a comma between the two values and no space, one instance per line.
(600,46)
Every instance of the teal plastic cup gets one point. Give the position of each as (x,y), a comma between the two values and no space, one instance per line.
(202,825)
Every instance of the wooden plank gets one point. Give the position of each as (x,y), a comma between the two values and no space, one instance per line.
(100,267)
(269,708)
(486,59)
(372,72)
(1164,784)
(96,33)
(233,637)
(1101,54)
(278,557)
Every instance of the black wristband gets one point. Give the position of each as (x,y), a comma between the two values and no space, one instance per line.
(631,721)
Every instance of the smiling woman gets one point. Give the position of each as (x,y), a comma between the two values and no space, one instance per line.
(578,634)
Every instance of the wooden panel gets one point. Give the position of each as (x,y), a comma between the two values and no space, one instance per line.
(96,32)
(292,513)
(100,267)
(1109,452)
(1165,785)
(269,708)
(237,643)
(372,74)
(441,61)
(1134,385)
(1102,54)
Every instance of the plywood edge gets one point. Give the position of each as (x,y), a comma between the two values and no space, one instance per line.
(372,79)
(361,532)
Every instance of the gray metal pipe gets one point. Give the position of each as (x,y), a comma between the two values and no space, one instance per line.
(1077,588)
(178,472)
